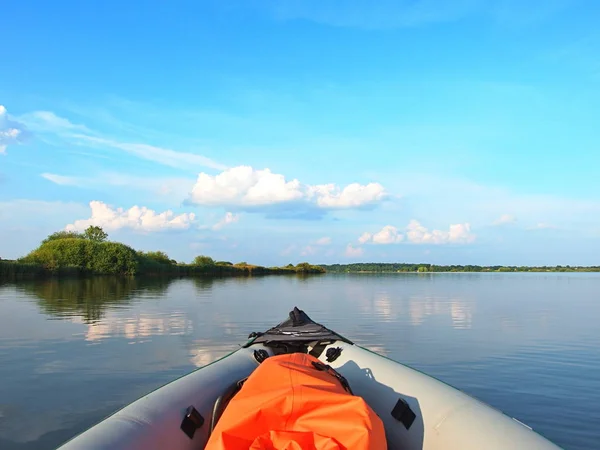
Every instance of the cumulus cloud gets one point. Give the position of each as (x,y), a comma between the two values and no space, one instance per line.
(246,187)
(352,251)
(135,218)
(388,235)
(11,132)
(505,219)
(228,219)
(326,240)
(418,234)
(352,196)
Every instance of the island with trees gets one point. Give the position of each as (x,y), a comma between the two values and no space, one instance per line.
(426,268)
(69,253)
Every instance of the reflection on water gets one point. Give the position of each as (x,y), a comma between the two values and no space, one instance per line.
(72,351)
(89,297)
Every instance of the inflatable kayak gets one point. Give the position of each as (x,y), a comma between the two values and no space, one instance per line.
(300,385)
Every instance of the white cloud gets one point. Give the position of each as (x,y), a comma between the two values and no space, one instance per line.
(248,187)
(352,251)
(135,218)
(169,187)
(288,250)
(164,156)
(228,219)
(505,219)
(11,132)
(365,237)
(308,250)
(543,226)
(352,196)
(457,234)
(63,180)
(417,234)
(48,122)
(326,240)
(388,235)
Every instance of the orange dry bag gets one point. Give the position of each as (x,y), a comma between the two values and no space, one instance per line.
(295,402)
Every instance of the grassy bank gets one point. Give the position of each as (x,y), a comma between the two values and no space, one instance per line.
(425,268)
(69,254)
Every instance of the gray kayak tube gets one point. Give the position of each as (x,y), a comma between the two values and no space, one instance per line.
(419,412)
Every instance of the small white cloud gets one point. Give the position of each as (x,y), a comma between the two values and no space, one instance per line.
(164,156)
(326,240)
(457,234)
(169,188)
(352,196)
(244,186)
(288,250)
(308,250)
(47,121)
(505,219)
(228,219)
(417,234)
(352,251)
(11,132)
(388,235)
(365,237)
(135,218)
(62,179)
(543,226)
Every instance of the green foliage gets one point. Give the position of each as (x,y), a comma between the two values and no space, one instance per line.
(305,267)
(202,260)
(94,233)
(407,267)
(158,257)
(86,255)
(63,235)
(66,253)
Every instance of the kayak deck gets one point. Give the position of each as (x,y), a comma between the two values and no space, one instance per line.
(418,411)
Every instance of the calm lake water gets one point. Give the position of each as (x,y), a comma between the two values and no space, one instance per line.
(73,351)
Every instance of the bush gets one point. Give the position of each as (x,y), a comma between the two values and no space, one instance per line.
(159,257)
(88,256)
(202,260)
(63,235)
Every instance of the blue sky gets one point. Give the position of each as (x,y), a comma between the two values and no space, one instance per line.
(463,131)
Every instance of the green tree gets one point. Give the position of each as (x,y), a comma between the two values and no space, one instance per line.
(159,257)
(95,233)
(63,235)
(202,260)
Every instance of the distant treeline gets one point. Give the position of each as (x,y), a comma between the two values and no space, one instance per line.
(67,253)
(423,267)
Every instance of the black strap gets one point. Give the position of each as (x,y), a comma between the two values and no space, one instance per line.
(403,413)
(333,353)
(317,350)
(327,368)
(222,402)
(260,355)
(192,421)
